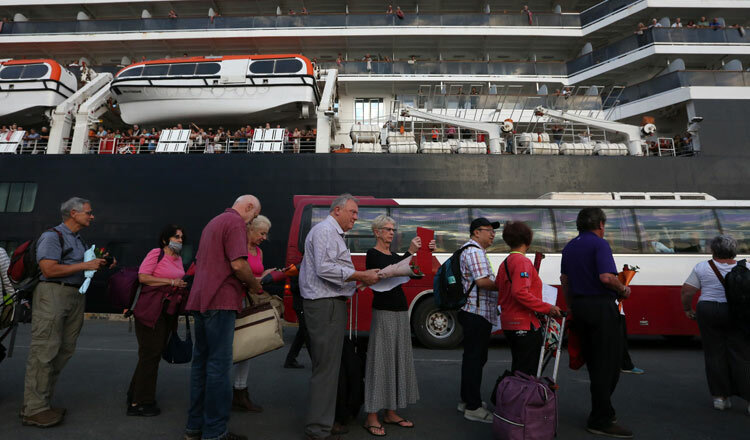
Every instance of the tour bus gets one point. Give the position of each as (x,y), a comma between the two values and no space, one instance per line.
(664,235)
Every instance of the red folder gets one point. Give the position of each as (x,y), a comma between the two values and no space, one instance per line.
(424,255)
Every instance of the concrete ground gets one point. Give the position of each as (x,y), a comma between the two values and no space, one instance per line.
(670,401)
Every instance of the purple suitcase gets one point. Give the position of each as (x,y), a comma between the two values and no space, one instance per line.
(527,406)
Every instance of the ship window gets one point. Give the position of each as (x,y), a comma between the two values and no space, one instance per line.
(262,67)
(17,196)
(288,66)
(182,69)
(157,70)
(11,72)
(208,69)
(135,71)
(368,110)
(35,71)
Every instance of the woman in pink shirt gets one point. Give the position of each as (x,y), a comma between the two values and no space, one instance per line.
(257,233)
(161,275)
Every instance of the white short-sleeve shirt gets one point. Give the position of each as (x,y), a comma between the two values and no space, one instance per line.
(703,277)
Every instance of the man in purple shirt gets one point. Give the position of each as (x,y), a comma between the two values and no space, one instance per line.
(590,284)
(222,275)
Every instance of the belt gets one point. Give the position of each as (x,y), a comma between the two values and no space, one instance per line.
(64,284)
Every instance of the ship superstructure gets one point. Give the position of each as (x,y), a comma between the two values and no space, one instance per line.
(482,61)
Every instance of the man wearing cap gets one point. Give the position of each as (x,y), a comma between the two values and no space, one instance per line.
(477,317)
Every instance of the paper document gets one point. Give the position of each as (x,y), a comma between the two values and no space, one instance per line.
(549,294)
(387,284)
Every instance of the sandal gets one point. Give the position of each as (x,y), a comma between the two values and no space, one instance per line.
(371,429)
(400,423)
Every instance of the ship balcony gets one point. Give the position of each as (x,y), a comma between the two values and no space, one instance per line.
(381,21)
(680,87)
(407,71)
(665,41)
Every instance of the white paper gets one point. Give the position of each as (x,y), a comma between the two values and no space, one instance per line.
(549,294)
(387,284)
(498,327)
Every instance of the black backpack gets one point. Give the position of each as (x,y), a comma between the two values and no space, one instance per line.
(448,288)
(737,289)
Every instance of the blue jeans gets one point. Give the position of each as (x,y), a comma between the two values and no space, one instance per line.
(210,375)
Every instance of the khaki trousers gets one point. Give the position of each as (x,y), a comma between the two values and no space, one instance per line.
(55,325)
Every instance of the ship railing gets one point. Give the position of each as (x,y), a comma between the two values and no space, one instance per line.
(541,19)
(401,68)
(684,78)
(659,35)
(32,146)
(603,9)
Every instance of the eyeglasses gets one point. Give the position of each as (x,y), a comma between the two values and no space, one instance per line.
(388,229)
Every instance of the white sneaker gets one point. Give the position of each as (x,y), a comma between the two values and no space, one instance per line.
(478,415)
(721,403)
(462,406)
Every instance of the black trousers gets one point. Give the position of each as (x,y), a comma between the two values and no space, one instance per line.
(726,351)
(151,343)
(301,338)
(477,331)
(627,362)
(599,326)
(525,346)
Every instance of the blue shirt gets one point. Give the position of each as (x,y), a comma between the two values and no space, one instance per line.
(48,248)
(327,263)
(584,258)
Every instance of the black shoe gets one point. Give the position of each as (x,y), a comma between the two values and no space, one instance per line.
(613,430)
(292,363)
(147,410)
(232,436)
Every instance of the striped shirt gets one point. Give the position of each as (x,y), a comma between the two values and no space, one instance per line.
(475,265)
(7,287)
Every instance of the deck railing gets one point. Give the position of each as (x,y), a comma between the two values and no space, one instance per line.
(286,21)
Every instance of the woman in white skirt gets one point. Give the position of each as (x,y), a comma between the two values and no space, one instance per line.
(390,379)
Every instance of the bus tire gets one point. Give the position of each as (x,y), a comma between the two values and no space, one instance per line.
(436,328)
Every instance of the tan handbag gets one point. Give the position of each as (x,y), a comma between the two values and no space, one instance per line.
(257,330)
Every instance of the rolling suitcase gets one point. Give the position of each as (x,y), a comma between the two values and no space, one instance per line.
(526,407)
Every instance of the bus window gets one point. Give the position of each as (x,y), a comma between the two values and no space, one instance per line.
(360,238)
(538,220)
(451,226)
(736,222)
(619,230)
(686,231)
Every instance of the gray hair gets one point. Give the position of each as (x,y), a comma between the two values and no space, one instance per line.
(380,221)
(724,247)
(73,203)
(259,221)
(340,201)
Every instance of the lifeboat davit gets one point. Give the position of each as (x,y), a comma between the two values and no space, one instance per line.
(228,89)
(30,88)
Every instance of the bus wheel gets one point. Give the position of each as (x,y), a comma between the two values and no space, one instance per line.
(436,328)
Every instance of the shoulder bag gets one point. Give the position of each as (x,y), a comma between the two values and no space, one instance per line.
(257,330)
(178,351)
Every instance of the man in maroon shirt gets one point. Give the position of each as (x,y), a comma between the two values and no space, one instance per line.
(221,279)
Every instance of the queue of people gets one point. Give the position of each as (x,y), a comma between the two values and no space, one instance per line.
(229,265)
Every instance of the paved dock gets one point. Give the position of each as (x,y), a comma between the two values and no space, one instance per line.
(670,401)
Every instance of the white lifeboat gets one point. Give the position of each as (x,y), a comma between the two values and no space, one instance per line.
(29,88)
(228,89)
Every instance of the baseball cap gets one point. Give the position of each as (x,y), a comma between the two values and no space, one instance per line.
(481,221)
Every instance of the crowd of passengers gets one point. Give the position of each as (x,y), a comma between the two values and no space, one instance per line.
(703,23)
(229,266)
(145,140)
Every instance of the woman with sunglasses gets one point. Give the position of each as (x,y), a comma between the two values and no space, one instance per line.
(390,378)
(160,275)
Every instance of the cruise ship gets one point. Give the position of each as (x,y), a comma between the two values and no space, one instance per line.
(164,111)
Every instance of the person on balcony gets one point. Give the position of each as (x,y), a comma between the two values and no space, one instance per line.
(530,15)
(654,23)
(677,23)
(716,24)
(703,22)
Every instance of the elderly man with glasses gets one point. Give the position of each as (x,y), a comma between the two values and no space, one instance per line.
(58,310)
(477,317)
